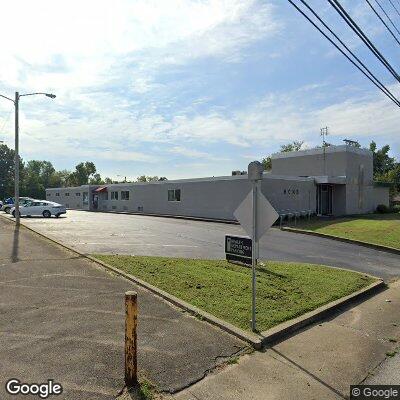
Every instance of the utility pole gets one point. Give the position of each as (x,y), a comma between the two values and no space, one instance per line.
(16,178)
(16,167)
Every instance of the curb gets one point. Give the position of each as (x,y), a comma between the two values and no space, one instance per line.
(345,240)
(257,341)
(288,327)
(184,217)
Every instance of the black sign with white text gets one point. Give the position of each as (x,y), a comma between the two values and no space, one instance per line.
(238,249)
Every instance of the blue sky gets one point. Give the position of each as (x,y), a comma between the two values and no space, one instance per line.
(187,88)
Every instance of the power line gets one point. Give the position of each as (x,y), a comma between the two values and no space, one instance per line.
(390,1)
(352,24)
(368,74)
(366,71)
(383,22)
(387,16)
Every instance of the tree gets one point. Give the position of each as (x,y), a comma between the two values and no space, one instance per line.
(7,171)
(96,180)
(84,171)
(59,179)
(383,163)
(144,178)
(267,163)
(162,178)
(293,146)
(36,178)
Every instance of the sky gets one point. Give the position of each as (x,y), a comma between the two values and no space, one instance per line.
(187,88)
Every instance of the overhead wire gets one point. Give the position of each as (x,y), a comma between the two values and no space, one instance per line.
(387,16)
(363,68)
(359,32)
(383,22)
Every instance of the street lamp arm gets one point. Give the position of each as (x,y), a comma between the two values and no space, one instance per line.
(7,98)
(32,94)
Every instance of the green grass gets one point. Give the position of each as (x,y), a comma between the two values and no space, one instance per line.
(382,229)
(284,290)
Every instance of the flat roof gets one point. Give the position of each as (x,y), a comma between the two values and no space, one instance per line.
(266,175)
(330,149)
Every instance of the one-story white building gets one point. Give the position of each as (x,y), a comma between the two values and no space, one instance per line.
(337,180)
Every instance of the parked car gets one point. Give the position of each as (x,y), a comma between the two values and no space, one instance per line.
(9,203)
(40,207)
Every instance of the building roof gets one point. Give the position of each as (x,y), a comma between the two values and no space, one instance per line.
(328,150)
(267,175)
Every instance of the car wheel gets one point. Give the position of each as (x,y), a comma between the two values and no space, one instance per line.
(58,215)
(7,210)
(46,214)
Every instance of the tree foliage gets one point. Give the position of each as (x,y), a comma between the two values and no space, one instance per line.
(37,175)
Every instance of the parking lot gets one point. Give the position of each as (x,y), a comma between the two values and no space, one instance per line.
(108,233)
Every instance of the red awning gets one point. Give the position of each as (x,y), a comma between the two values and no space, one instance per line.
(100,189)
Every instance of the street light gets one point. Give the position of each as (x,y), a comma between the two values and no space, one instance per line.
(16,179)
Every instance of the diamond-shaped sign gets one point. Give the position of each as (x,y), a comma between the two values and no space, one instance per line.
(266,214)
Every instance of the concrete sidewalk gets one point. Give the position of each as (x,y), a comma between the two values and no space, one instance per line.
(62,317)
(320,362)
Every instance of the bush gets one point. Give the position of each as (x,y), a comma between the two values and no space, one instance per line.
(396,208)
(382,209)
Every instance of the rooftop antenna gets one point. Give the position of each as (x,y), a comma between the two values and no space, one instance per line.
(324,133)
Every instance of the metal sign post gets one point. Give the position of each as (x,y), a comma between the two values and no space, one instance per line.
(256,215)
(255,171)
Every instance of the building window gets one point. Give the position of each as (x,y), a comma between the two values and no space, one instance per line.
(124,194)
(58,194)
(48,194)
(114,195)
(66,194)
(77,194)
(174,195)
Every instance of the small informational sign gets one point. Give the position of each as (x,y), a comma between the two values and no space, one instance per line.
(238,248)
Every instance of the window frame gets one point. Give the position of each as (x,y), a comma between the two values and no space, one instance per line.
(125,192)
(176,195)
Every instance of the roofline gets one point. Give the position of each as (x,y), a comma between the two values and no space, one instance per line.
(266,175)
(329,149)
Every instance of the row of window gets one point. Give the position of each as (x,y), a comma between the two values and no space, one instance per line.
(124,195)
(65,194)
(173,195)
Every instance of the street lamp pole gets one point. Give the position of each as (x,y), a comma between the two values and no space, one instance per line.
(16,167)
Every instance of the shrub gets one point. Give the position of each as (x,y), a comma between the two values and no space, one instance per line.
(396,208)
(382,209)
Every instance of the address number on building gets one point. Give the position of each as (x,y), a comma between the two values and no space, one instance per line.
(238,248)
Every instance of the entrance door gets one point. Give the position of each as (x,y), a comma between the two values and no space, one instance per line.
(324,199)
(95,201)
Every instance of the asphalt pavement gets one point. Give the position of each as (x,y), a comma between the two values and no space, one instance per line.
(108,233)
(62,318)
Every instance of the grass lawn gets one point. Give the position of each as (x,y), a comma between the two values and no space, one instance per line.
(383,229)
(284,290)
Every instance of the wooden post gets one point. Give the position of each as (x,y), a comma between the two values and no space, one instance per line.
(130,339)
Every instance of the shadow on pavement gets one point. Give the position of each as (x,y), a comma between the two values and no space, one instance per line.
(15,247)
(310,374)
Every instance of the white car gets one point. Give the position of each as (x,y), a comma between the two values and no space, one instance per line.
(7,206)
(40,207)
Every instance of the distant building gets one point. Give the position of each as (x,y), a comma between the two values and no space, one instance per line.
(337,180)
